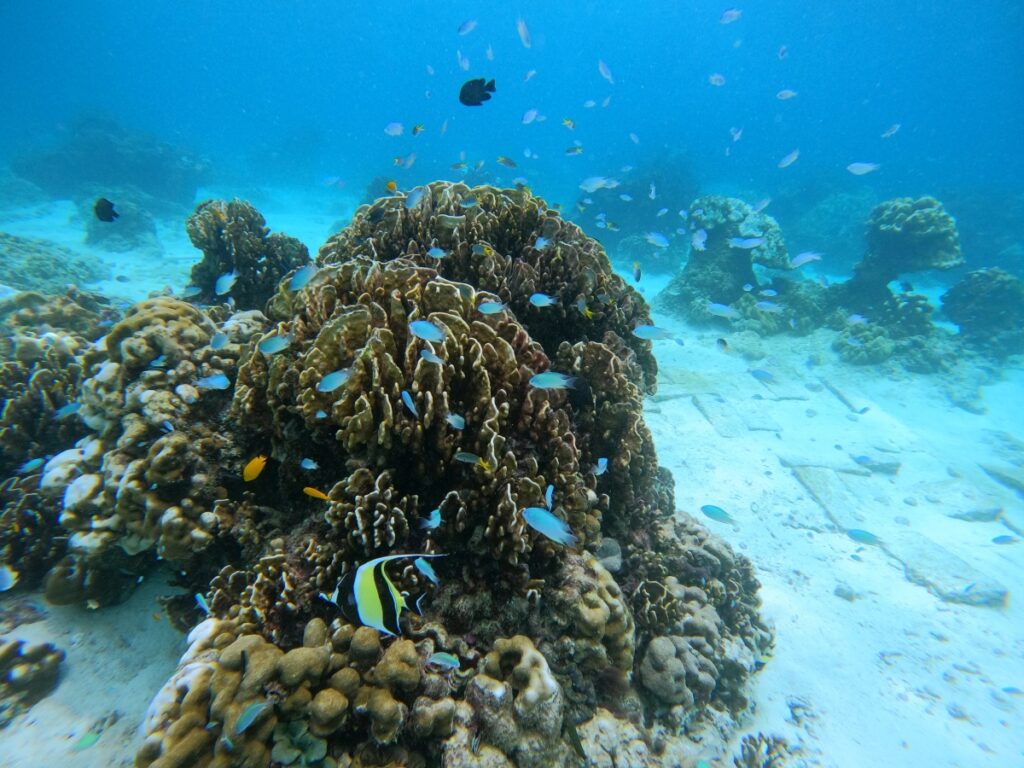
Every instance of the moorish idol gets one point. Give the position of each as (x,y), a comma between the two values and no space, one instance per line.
(368,596)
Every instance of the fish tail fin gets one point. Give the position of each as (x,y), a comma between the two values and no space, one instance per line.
(489,86)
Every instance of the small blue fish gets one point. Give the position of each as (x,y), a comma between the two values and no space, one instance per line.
(551,380)
(549,495)
(432,521)
(302,277)
(652,332)
(250,715)
(333,380)
(722,310)
(455,421)
(547,524)
(430,357)
(426,330)
(1005,540)
(309,464)
(437,253)
(863,537)
(201,602)
(215,381)
(699,239)
(445,661)
(746,243)
(274,344)
(219,340)
(542,300)
(541,243)
(679,341)
(471,458)
(159,362)
(30,466)
(762,375)
(415,197)
(656,239)
(469,202)
(748,287)
(407,399)
(769,292)
(225,283)
(167,426)
(601,467)
(426,569)
(491,307)
(717,514)
(768,306)
(67,410)
(856,319)
(321,414)
(190,291)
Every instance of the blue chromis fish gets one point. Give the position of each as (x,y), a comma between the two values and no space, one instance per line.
(424,567)
(491,307)
(415,197)
(431,521)
(722,310)
(768,306)
(656,239)
(250,715)
(542,300)
(219,340)
(471,458)
(70,409)
(426,330)
(1005,540)
(455,421)
(652,332)
(302,277)
(541,243)
(333,380)
(214,381)
(762,375)
(190,291)
(437,253)
(551,380)
(407,399)
(367,595)
(309,464)
(547,524)
(863,537)
(225,283)
(745,243)
(204,606)
(601,467)
(431,357)
(274,344)
(717,514)
(30,466)
(444,660)
(321,414)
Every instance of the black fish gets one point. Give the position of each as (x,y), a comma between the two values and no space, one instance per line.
(104,210)
(476,92)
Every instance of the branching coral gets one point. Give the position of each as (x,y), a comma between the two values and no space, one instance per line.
(233,237)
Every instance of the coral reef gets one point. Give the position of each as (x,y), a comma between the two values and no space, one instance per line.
(233,237)
(95,154)
(33,264)
(27,674)
(411,446)
(738,237)
(763,751)
(988,307)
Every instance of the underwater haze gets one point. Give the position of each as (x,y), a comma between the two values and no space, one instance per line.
(460,384)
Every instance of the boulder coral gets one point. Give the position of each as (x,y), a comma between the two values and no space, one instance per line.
(425,439)
(737,238)
(988,307)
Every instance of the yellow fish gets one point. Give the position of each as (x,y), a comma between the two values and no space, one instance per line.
(571,125)
(392,186)
(508,162)
(418,129)
(253,469)
(574,150)
(316,493)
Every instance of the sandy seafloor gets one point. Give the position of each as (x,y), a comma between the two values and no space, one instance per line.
(888,672)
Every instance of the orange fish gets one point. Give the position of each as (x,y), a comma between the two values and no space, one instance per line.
(253,469)
(316,493)
(392,186)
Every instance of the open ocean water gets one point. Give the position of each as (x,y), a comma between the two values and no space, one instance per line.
(446,384)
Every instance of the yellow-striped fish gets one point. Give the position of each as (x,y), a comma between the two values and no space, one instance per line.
(253,469)
(368,595)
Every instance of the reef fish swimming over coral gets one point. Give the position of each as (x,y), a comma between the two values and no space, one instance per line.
(368,595)
(104,210)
